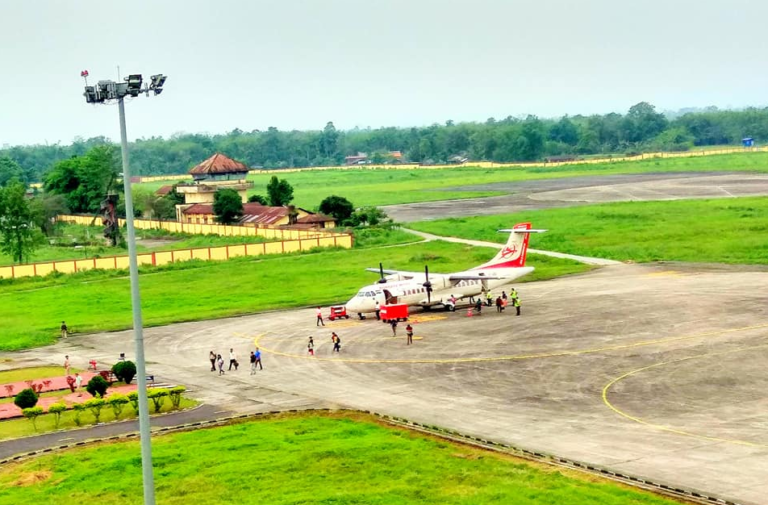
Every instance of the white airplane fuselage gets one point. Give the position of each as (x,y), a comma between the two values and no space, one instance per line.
(413,292)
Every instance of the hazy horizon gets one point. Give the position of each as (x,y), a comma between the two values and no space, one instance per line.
(297,64)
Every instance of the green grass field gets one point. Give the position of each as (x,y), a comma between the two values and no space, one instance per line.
(306,459)
(31,373)
(386,186)
(720,230)
(190,291)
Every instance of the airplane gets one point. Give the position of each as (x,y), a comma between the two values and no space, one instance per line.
(427,291)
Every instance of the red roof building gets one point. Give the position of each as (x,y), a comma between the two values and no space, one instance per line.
(217,166)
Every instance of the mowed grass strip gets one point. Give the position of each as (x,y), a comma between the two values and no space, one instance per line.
(720,230)
(32,312)
(306,459)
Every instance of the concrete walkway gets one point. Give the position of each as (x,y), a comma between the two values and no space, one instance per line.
(480,243)
(29,444)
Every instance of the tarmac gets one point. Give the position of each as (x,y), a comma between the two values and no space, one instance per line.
(570,191)
(652,370)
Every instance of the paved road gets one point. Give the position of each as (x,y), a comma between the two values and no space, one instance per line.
(29,444)
(551,193)
(654,370)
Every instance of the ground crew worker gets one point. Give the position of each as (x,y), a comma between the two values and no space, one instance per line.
(516,303)
(378,311)
(488,298)
(319,317)
(478,306)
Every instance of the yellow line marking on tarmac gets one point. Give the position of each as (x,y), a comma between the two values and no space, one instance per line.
(668,429)
(426,319)
(481,359)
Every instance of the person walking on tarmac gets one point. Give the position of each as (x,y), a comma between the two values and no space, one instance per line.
(489,298)
(393,324)
(319,317)
(378,311)
(336,342)
(498,304)
(311,346)
(409,334)
(478,306)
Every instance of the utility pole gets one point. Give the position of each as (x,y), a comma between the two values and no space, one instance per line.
(109,91)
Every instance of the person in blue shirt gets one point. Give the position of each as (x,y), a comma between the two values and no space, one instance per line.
(257,356)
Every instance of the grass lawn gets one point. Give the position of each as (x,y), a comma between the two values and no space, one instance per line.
(387,186)
(48,394)
(341,459)
(722,231)
(21,427)
(31,310)
(31,373)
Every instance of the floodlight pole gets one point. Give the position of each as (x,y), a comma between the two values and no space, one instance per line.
(138,331)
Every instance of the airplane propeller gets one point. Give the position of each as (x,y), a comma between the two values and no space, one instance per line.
(427,284)
(381,272)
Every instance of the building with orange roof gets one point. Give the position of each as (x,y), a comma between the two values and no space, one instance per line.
(217,172)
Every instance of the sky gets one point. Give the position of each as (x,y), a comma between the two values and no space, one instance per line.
(297,64)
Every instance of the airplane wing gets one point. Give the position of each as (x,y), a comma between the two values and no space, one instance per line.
(404,275)
(477,277)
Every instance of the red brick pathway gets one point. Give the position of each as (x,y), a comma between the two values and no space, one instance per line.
(56,384)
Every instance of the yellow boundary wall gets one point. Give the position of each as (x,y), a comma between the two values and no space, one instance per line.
(159,258)
(268,232)
(490,164)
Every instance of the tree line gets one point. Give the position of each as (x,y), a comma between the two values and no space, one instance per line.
(642,128)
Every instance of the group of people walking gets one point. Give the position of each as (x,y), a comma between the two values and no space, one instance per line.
(334,339)
(217,361)
(501,301)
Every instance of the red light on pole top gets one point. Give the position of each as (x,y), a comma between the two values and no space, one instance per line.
(84,73)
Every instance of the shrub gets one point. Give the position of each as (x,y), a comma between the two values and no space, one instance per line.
(117,402)
(175,396)
(124,371)
(78,408)
(57,409)
(158,397)
(25,399)
(32,414)
(97,386)
(95,405)
(133,397)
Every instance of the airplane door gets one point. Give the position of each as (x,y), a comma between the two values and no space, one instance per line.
(388,298)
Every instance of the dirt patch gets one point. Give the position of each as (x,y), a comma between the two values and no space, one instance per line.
(32,478)
(155,242)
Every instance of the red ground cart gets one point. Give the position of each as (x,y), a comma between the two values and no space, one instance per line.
(338,312)
(398,312)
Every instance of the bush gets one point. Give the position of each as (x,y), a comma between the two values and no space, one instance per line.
(57,409)
(78,408)
(175,396)
(124,371)
(25,399)
(117,402)
(32,414)
(133,398)
(97,386)
(158,397)
(95,405)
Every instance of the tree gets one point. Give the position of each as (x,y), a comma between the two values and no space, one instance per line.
(95,405)
(279,192)
(118,403)
(32,414)
(84,181)
(329,141)
(158,397)
(175,395)
(9,171)
(257,199)
(18,231)
(57,409)
(45,208)
(124,371)
(25,399)
(97,386)
(367,216)
(338,207)
(228,206)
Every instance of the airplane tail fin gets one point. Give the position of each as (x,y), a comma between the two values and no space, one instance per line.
(513,254)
